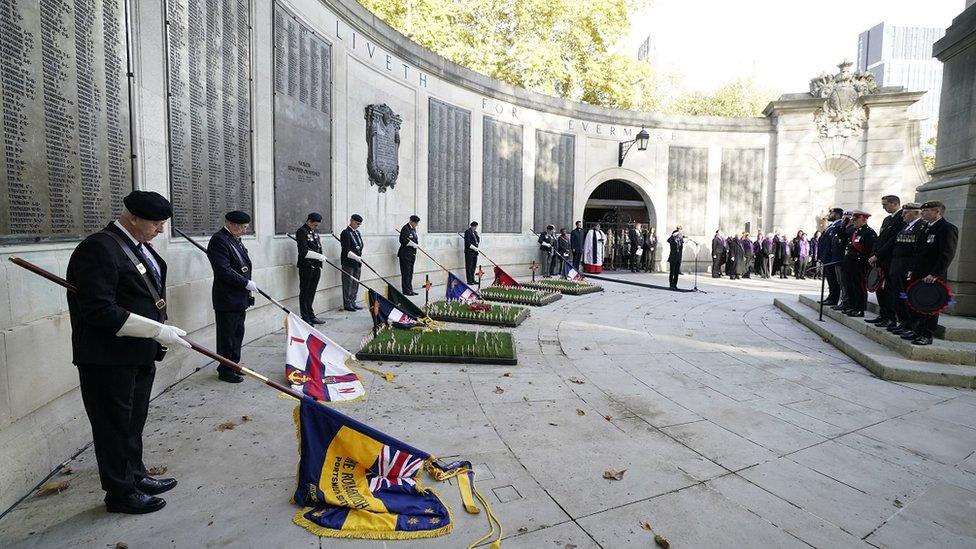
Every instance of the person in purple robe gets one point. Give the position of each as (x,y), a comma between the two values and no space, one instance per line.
(800,248)
(815,254)
(767,257)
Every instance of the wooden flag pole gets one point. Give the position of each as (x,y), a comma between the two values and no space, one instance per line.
(196,347)
(428,255)
(367,265)
(482,254)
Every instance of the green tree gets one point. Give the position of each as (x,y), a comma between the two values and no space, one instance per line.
(563,48)
(740,97)
(928,155)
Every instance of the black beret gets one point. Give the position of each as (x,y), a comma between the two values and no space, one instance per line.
(839,211)
(148,205)
(415,219)
(357,218)
(933,204)
(474,223)
(238,217)
(317,217)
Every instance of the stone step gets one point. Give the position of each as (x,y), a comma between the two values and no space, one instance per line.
(880,360)
(950,328)
(946,352)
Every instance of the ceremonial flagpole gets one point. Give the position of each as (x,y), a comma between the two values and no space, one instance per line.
(367,265)
(482,254)
(196,347)
(618,281)
(429,256)
(260,291)
(343,271)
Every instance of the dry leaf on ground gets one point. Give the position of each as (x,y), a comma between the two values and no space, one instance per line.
(608,418)
(507,374)
(67,471)
(225,426)
(553,424)
(577,380)
(157,470)
(499,390)
(611,474)
(121,545)
(54,488)
(580,412)
(245,418)
(662,541)
(645,525)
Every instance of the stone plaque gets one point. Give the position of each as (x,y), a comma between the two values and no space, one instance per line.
(501,203)
(555,164)
(741,188)
(208,50)
(687,185)
(383,142)
(65,160)
(448,168)
(302,123)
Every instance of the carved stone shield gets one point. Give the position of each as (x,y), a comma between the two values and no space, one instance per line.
(383,140)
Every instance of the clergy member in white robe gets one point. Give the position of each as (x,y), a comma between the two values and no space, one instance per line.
(593,246)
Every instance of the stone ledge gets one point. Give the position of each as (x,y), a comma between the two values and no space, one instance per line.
(946,352)
(875,357)
(950,328)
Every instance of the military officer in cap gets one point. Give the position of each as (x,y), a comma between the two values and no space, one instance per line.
(408,254)
(309,266)
(232,287)
(902,254)
(935,250)
(471,242)
(117,334)
(859,249)
(351,256)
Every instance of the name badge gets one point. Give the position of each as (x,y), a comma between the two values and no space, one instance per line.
(931,238)
(141,268)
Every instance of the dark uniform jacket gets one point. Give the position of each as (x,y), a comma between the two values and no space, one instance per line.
(232,270)
(471,237)
(109,288)
(677,243)
(935,250)
(633,240)
(825,245)
(350,241)
(547,238)
(890,228)
(308,240)
(563,246)
(650,241)
(861,244)
(906,240)
(408,234)
(719,247)
(576,237)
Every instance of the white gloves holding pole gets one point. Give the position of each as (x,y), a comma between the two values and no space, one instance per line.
(251,286)
(140,326)
(412,244)
(354,257)
(473,247)
(315,255)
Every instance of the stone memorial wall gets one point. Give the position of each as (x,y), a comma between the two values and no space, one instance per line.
(449,167)
(209,69)
(740,193)
(555,164)
(687,184)
(303,123)
(65,157)
(501,204)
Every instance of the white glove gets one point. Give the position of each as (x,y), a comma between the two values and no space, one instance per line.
(354,257)
(140,326)
(315,255)
(412,244)
(251,286)
(547,245)
(473,247)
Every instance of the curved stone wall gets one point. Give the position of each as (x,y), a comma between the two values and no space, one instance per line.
(542,159)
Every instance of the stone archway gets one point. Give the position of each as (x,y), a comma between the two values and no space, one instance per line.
(619,202)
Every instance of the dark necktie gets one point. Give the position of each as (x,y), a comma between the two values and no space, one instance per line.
(151,266)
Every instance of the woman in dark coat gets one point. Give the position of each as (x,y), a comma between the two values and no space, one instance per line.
(748,253)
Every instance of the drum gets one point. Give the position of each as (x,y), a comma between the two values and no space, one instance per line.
(928,299)
(875,279)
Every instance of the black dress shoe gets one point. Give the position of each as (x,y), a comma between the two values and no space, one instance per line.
(855,314)
(350,309)
(885,323)
(875,320)
(357,308)
(316,320)
(135,503)
(909,335)
(922,340)
(155,486)
(829,303)
(895,327)
(838,307)
(230,377)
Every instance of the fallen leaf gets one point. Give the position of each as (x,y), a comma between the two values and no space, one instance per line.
(499,390)
(569,546)
(225,426)
(121,545)
(645,525)
(662,541)
(157,470)
(614,475)
(245,418)
(507,374)
(608,418)
(523,529)
(580,412)
(67,471)
(898,503)
(586,348)
(577,380)
(525,398)
(553,424)
(54,488)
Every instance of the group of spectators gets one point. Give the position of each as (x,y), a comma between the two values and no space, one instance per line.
(740,256)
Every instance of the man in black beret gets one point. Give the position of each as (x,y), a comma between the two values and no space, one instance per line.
(471,242)
(232,287)
(934,251)
(117,334)
(409,241)
(309,266)
(351,243)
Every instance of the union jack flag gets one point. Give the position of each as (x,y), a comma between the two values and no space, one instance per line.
(393,468)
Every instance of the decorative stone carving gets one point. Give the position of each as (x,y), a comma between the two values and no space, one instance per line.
(841,115)
(383,140)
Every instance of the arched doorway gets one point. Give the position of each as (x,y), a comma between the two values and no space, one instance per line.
(617,205)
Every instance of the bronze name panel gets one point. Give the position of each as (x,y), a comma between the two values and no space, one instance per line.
(65,160)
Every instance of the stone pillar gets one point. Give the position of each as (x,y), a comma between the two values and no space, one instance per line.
(954,177)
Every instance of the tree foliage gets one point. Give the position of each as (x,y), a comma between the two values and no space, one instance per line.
(740,97)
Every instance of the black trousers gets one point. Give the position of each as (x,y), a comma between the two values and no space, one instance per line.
(230,336)
(886,295)
(673,275)
(406,273)
(117,401)
(897,283)
(308,281)
(857,291)
(349,286)
(717,262)
(470,264)
(577,257)
(833,292)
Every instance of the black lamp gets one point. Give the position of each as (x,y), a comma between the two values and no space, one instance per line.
(641,141)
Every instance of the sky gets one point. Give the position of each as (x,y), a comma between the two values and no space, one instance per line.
(782,43)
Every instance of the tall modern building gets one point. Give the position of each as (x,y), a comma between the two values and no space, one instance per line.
(902,56)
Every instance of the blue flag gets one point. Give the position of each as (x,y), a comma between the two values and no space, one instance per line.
(385,312)
(459,290)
